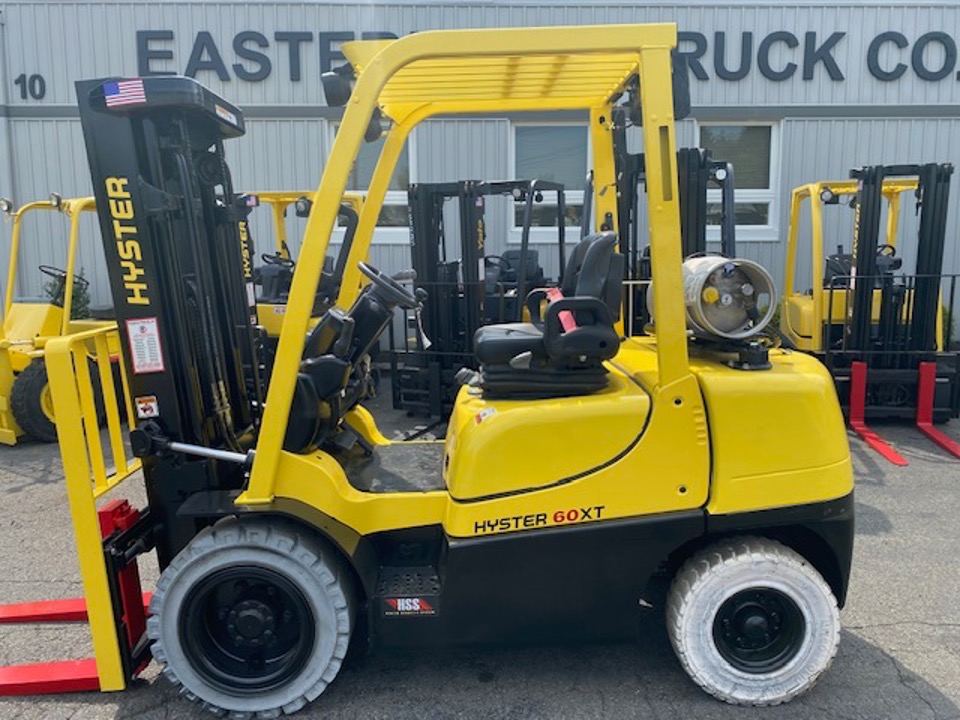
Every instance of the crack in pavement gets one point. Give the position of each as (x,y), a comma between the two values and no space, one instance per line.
(925,623)
(905,681)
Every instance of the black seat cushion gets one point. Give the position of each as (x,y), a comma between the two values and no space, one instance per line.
(499,344)
(592,281)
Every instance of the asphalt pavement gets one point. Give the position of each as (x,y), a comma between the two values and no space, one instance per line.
(899,657)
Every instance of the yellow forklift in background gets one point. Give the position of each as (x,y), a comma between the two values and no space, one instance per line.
(875,316)
(804,315)
(26,405)
(580,468)
(275,274)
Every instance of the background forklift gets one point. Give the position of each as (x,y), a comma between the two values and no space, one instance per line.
(579,465)
(274,275)
(880,327)
(464,288)
(26,405)
(697,172)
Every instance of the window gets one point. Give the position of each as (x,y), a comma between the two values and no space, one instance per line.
(557,153)
(394,210)
(752,150)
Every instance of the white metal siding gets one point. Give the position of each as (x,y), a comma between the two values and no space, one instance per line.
(65,41)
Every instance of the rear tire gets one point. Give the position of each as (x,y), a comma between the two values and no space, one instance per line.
(252,619)
(752,622)
(32,403)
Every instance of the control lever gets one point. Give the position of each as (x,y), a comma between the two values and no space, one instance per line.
(342,346)
(405,276)
(421,296)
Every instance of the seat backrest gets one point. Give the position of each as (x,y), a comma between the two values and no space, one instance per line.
(532,269)
(598,271)
(568,283)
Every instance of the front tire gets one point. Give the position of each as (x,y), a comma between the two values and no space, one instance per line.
(752,622)
(32,402)
(253,618)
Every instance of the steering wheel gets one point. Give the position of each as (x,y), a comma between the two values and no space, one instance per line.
(392,292)
(504,267)
(61,275)
(887,250)
(498,261)
(277,259)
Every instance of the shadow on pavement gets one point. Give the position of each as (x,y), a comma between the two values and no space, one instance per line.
(624,680)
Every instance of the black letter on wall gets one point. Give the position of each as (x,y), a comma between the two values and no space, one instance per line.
(813,54)
(719,52)
(763,55)
(699,41)
(145,54)
(204,42)
(873,55)
(949,61)
(294,38)
(327,53)
(264,66)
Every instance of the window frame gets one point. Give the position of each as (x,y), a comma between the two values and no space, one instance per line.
(770,195)
(382,234)
(544,235)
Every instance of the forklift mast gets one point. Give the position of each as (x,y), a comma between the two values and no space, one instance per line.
(696,171)
(914,331)
(176,260)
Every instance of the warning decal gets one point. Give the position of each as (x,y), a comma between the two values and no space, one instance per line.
(147,406)
(145,350)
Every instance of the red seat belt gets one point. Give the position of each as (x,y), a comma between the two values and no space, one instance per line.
(567,321)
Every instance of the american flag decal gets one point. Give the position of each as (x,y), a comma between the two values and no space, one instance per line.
(124,92)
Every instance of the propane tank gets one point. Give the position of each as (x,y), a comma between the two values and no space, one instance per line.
(726,298)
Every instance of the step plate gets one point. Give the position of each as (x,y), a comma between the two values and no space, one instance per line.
(408,592)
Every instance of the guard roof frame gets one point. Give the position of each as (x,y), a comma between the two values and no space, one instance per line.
(396,77)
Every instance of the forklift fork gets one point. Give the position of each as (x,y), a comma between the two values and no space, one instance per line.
(79,675)
(926,387)
(858,402)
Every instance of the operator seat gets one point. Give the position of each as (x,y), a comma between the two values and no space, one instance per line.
(563,354)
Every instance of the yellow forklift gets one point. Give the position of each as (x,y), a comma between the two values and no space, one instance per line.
(580,468)
(274,276)
(876,318)
(26,405)
(804,312)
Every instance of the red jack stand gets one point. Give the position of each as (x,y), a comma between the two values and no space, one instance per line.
(77,675)
(858,402)
(926,386)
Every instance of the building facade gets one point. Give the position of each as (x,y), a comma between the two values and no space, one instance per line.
(790,92)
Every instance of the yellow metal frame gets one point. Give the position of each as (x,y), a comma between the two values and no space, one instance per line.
(87,475)
(270,316)
(16,352)
(280,200)
(893,190)
(476,71)
(73,208)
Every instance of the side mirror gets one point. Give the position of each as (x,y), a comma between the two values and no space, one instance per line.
(336,85)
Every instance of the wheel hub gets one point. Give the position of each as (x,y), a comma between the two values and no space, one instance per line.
(247,629)
(759,630)
(251,624)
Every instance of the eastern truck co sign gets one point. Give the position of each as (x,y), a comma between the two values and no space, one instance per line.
(730,56)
